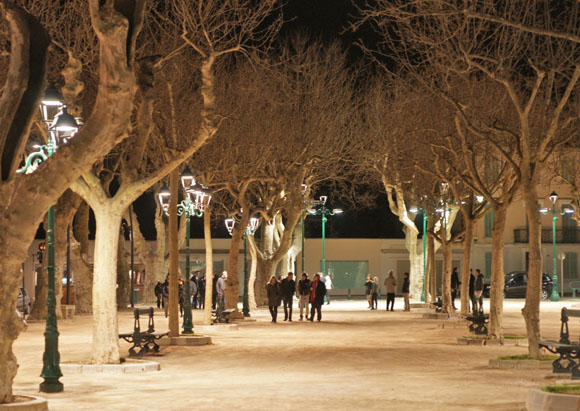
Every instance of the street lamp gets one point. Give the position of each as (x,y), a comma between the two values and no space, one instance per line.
(554,199)
(416,210)
(196,200)
(323,211)
(250,230)
(61,126)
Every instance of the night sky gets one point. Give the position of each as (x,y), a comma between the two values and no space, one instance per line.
(326,20)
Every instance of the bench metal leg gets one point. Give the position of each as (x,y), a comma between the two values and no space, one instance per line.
(559,368)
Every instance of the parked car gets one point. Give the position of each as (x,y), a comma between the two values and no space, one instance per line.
(23,303)
(516,284)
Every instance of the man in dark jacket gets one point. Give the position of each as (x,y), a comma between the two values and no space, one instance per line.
(317,293)
(454,285)
(201,291)
(405,291)
(304,294)
(472,291)
(288,288)
(478,292)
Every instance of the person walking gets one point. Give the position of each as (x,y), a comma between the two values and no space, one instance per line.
(472,291)
(405,291)
(181,294)
(375,293)
(369,291)
(317,293)
(165,295)
(454,286)
(214,297)
(195,279)
(304,294)
(391,285)
(193,292)
(221,291)
(478,292)
(201,291)
(288,288)
(159,294)
(274,295)
(328,284)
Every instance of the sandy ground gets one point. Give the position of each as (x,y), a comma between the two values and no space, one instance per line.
(354,359)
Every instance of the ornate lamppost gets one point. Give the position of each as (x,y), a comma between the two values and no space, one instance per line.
(323,211)
(196,200)
(61,126)
(554,199)
(250,230)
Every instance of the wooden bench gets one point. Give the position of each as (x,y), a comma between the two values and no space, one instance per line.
(574,286)
(143,341)
(478,322)
(569,351)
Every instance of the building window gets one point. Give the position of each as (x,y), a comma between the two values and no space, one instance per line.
(487,264)
(571,266)
(488,221)
(568,169)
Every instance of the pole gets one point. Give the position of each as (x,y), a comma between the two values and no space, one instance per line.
(323,239)
(246,303)
(51,358)
(424,254)
(187,322)
(302,218)
(132,257)
(68,265)
(555,296)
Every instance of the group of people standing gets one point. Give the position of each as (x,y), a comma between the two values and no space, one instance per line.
(310,293)
(373,289)
(475,289)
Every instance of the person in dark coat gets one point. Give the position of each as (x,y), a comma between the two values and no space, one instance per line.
(201,291)
(159,294)
(472,291)
(274,295)
(195,295)
(288,288)
(214,293)
(304,294)
(317,293)
(405,291)
(369,291)
(478,292)
(454,285)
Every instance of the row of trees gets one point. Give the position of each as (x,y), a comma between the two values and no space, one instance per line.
(478,98)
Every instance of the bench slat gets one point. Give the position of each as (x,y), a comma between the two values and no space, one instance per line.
(572,313)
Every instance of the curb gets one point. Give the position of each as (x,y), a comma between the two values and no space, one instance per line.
(521,364)
(128,367)
(26,403)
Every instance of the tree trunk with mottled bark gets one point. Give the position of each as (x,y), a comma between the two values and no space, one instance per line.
(531,311)
(495,328)
(467,245)
(83,273)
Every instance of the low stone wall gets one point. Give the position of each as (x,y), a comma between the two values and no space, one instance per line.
(521,364)
(539,400)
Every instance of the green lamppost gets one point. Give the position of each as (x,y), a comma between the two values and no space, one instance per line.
(415,210)
(196,199)
(61,127)
(554,199)
(323,211)
(250,230)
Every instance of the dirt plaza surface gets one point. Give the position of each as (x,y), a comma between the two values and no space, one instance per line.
(355,359)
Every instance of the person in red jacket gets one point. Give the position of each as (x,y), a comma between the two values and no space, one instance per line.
(317,293)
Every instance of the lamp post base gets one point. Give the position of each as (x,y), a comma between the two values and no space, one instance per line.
(555,296)
(51,385)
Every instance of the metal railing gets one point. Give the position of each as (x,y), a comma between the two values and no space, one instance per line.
(563,235)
